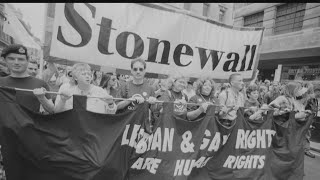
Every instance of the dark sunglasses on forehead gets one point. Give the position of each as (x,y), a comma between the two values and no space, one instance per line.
(136,69)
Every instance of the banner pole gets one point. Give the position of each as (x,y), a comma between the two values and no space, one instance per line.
(42,41)
(130,99)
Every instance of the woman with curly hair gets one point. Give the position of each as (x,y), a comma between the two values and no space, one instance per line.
(205,93)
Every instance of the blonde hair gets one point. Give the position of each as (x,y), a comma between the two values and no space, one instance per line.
(76,69)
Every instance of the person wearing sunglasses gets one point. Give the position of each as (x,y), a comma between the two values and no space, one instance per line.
(137,88)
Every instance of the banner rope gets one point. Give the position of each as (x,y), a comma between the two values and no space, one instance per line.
(131,99)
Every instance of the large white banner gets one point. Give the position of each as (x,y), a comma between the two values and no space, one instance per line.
(169,41)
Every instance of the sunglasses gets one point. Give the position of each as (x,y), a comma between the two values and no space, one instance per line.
(136,69)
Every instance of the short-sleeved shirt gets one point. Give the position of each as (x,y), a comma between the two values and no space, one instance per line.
(129,89)
(93,104)
(229,98)
(27,99)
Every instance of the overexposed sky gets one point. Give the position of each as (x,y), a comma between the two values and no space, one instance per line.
(33,13)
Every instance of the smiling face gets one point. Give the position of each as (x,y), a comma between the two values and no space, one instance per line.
(206,88)
(17,63)
(254,95)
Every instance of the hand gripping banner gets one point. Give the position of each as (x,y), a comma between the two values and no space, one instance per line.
(286,156)
(75,144)
(244,154)
(177,146)
(78,144)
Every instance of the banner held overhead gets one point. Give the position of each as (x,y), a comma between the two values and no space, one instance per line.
(168,40)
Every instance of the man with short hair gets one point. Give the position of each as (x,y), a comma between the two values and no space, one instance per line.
(231,99)
(33,68)
(137,89)
(17,60)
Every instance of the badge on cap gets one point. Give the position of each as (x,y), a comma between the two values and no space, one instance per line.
(144,94)
(21,50)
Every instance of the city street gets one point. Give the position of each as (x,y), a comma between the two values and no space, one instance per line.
(312,167)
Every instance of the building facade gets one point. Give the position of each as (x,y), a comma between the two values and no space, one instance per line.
(34,54)
(221,12)
(5,39)
(291,44)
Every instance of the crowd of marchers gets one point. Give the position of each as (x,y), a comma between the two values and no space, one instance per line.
(17,71)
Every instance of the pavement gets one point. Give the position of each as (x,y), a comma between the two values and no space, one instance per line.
(311,167)
(314,146)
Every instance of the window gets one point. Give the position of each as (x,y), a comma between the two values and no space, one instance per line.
(254,20)
(289,17)
(221,15)
(187,6)
(205,9)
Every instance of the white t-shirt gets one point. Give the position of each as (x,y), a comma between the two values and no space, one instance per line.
(93,104)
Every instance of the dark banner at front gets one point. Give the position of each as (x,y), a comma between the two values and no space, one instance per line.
(177,146)
(75,144)
(78,144)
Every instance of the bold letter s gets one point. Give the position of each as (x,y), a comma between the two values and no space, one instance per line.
(78,23)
